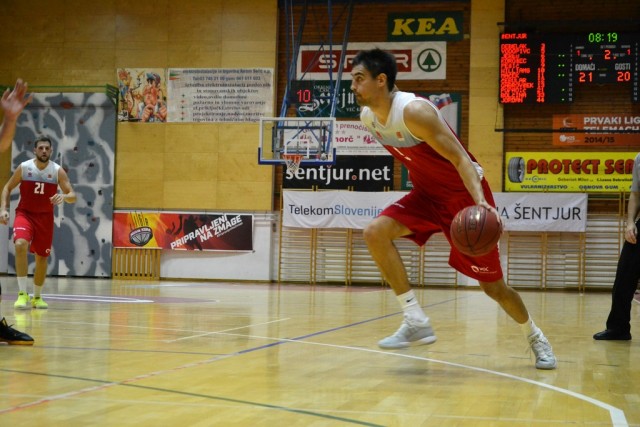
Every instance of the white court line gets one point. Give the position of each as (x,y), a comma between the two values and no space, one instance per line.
(226,330)
(96,298)
(618,418)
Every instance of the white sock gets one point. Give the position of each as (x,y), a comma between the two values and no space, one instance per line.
(529,328)
(22,284)
(36,290)
(410,306)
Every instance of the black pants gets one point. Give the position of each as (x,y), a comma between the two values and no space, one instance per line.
(624,287)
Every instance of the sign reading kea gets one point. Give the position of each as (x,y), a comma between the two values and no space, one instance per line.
(431,26)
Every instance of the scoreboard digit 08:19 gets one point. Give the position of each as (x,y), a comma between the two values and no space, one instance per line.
(547,68)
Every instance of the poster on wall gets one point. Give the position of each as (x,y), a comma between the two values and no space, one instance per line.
(596,130)
(183,231)
(567,171)
(352,138)
(143,95)
(320,103)
(220,94)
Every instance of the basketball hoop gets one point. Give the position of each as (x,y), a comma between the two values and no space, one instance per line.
(292,161)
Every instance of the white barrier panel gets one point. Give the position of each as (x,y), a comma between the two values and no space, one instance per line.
(566,212)
(561,212)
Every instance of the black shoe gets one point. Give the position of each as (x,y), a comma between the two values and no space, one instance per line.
(11,336)
(611,335)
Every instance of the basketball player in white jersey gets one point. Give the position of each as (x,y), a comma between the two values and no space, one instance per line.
(446,178)
(12,104)
(39,179)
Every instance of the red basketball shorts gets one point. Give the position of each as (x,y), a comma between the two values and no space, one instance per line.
(425,216)
(35,228)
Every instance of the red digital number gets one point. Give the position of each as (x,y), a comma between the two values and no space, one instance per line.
(304,96)
(585,77)
(607,54)
(624,76)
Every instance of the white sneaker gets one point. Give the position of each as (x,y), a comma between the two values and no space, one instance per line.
(545,358)
(411,331)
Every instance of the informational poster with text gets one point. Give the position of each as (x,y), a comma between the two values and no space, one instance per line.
(219,94)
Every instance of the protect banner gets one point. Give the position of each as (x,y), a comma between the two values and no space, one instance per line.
(183,231)
(566,212)
(568,171)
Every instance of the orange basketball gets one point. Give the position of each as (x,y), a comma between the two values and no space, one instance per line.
(475,231)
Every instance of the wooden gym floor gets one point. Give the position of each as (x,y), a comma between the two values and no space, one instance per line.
(115,353)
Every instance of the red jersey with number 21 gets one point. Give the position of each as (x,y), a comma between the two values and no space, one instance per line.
(38,186)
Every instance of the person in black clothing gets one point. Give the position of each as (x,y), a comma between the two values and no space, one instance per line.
(628,270)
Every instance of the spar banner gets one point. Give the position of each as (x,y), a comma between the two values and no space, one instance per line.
(359,173)
(334,209)
(568,171)
(566,212)
(596,130)
(415,60)
(183,231)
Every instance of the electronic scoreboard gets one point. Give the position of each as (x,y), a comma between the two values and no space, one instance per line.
(548,68)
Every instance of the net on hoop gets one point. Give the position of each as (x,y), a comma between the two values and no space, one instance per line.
(292,161)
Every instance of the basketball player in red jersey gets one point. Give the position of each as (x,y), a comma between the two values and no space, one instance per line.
(12,104)
(446,178)
(39,179)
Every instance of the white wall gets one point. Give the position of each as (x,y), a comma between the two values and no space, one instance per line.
(213,265)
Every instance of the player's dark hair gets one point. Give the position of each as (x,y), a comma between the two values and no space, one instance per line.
(378,61)
(42,138)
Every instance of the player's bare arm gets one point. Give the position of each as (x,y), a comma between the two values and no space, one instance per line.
(13,182)
(67,195)
(12,103)
(424,123)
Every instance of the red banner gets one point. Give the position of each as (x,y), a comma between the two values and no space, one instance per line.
(596,130)
(183,231)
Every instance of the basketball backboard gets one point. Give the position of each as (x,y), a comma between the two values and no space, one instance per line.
(309,137)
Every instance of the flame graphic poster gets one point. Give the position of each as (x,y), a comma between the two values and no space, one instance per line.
(183,231)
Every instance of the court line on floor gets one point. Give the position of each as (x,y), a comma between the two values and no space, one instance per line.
(617,415)
(204,334)
(103,384)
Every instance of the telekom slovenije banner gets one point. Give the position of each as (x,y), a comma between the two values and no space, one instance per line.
(352,209)
(183,231)
(334,209)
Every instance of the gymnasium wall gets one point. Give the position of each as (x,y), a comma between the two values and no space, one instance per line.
(369,25)
(54,44)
